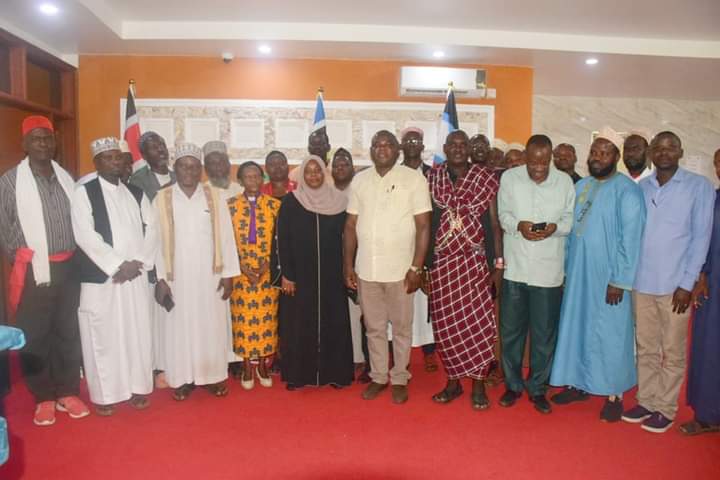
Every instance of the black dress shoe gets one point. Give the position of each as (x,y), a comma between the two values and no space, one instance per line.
(509,398)
(569,395)
(541,404)
(612,410)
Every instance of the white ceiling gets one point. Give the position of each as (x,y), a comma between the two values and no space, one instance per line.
(646,48)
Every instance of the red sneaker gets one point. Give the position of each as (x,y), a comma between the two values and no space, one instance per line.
(73,406)
(44,414)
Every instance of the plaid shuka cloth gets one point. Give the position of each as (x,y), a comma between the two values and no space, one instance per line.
(461,306)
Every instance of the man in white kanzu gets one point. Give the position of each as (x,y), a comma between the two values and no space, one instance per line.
(195,266)
(115,228)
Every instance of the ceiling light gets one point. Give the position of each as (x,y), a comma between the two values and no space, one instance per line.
(591,61)
(48,9)
(438,54)
(265,49)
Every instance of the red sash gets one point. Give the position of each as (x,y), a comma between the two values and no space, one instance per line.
(16,282)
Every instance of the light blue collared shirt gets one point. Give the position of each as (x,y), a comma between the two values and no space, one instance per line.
(677,232)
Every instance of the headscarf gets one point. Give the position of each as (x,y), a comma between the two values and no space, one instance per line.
(326,199)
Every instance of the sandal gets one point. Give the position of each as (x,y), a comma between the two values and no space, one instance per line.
(495,375)
(104,410)
(430,363)
(139,402)
(218,389)
(446,395)
(479,399)
(183,392)
(698,428)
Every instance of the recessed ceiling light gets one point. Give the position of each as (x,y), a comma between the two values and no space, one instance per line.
(591,61)
(265,49)
(438,54)
(48,9)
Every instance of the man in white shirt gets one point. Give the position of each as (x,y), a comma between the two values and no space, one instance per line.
(388,224)
(114,225)
(151,178)
(634,155)
(535,205)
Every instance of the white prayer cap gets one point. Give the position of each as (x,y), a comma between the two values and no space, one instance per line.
(611,136)
(187,149)
(104,144)
(516,146)
(124,147)
(412,130)
(641,132)
(502,145)
(213,147)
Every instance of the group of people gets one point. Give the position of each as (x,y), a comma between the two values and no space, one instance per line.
(157,279)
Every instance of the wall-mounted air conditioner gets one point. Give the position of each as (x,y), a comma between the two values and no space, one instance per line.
(434,81)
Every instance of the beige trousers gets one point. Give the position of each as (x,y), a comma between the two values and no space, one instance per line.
(384,302)
(661,352)
(356,332)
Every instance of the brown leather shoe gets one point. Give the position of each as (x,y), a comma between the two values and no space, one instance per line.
(373,390)
(399,394)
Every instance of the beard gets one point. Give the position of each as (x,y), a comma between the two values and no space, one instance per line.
(598,172)
(222,182)
(635,163)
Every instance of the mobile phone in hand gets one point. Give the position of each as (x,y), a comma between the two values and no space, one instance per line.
(536,227)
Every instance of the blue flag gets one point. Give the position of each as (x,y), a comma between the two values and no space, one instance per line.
(319,121)
(448,124)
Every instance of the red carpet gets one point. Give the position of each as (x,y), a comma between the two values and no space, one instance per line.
(329,434)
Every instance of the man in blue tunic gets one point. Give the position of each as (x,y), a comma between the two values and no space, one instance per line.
(703,389)
(595,350)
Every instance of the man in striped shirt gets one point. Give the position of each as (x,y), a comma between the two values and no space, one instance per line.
(37,237)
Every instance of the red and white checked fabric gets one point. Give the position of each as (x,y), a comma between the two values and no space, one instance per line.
(461,306)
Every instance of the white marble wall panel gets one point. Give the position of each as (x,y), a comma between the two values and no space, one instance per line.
(165,127)
(247,133)
(371,127)
(291,132)
(344,119)
(340,133)
(573,119)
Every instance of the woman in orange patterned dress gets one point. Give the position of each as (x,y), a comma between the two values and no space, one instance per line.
(254,300)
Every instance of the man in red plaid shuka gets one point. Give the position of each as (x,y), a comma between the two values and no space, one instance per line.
(461,306)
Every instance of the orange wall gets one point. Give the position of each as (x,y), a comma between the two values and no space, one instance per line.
(102,81)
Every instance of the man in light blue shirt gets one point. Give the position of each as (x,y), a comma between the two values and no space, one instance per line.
(675,244)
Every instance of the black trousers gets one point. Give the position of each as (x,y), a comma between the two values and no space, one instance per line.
(526,308)
(51,358)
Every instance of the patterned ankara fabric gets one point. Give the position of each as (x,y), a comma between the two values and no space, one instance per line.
(461,305)
(254,307)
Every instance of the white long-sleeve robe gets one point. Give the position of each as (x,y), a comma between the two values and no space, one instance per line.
(196,334)
(225,194)
(114,318)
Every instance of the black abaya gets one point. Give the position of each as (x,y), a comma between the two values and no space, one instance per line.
(315,339)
